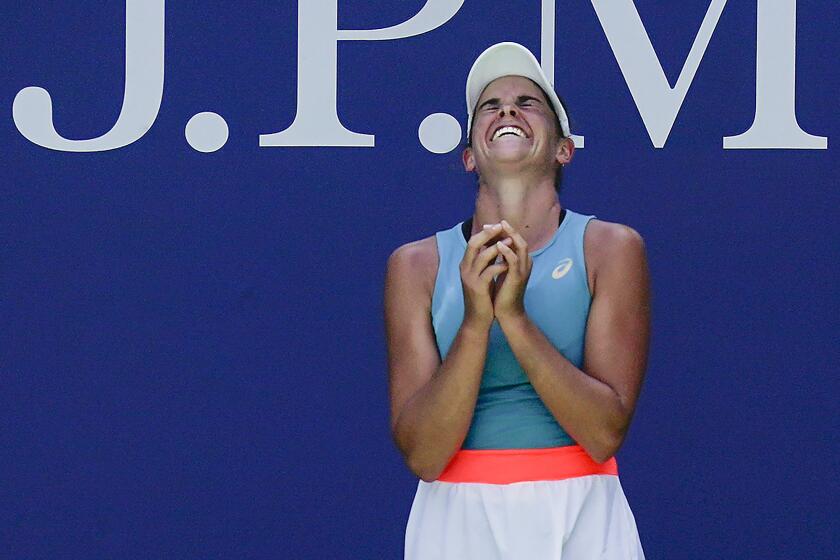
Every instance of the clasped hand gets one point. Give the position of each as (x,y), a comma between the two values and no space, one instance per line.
(509,287)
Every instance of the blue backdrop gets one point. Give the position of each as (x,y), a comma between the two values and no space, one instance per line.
(192,343)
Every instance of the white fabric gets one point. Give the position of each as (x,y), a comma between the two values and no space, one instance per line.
(509,59)
(583,518)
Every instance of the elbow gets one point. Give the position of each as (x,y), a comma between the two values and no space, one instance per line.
(417,462)
(609,439)
(601,456)
(427,477)
(607,447)
(424,470)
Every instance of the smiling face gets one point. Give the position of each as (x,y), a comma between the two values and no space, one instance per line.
(514,127)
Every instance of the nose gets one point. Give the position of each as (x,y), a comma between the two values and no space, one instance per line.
(507,108)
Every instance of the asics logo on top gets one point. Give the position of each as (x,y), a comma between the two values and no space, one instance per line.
(563,267)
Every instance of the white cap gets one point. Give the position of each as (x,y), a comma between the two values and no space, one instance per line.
(509,59)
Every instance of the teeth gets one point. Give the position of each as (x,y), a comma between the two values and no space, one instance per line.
(506,129)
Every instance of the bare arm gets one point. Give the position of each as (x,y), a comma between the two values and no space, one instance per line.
(432,402)
(595,405)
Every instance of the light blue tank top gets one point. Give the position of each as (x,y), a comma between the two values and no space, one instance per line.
(508,413)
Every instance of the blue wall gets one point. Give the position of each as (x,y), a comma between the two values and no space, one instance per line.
(192,344)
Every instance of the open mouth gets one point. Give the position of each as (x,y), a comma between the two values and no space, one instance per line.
(508,130)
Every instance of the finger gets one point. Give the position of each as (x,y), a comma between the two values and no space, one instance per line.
(500,233)
(489,253)
(511,257)
(520,245)
(492,271)
(478,240)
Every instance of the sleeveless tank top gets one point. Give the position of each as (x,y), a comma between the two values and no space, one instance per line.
(509,414)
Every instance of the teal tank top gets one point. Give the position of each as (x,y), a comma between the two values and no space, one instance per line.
(509,414)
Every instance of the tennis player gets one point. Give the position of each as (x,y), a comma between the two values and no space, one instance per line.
(517,345)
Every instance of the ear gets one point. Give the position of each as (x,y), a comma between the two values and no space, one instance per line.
(468,159)
(565,151)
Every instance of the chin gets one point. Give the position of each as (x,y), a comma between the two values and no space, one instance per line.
(511,156)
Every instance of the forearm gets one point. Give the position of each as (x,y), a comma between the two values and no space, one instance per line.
(590,411)
(435,421)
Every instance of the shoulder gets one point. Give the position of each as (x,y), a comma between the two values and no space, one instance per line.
(612,248)
(416,254)
(416,263)
(609,236)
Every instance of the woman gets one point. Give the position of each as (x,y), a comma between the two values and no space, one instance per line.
(517,343)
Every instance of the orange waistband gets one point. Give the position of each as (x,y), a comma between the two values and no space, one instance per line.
(504,466)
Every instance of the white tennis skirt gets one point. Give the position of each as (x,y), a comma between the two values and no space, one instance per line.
(529,504)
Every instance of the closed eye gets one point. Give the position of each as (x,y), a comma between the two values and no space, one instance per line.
(527,101)
(522,101)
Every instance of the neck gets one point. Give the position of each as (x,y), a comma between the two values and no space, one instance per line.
(532,208)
